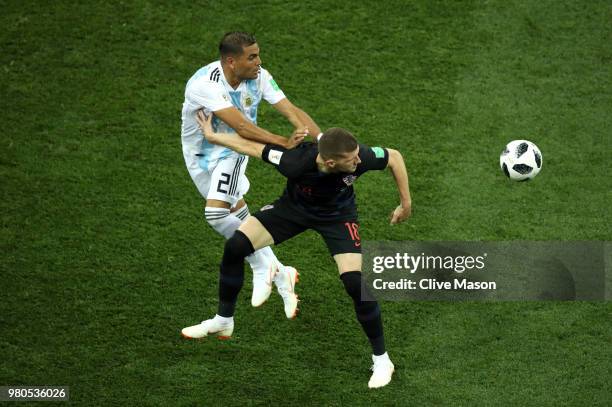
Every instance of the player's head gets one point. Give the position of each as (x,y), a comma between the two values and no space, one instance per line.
(339,150)
(240,52)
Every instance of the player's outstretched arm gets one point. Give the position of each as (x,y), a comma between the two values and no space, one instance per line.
(296,116)
(236,120)
(400,174)
(229,140)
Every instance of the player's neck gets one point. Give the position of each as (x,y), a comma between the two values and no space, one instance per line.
(232,79)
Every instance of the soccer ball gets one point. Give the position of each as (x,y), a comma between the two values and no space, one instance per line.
(521,160)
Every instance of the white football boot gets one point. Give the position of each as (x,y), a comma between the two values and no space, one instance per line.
(216,326)
(285,280)
(262,285)
(382,370)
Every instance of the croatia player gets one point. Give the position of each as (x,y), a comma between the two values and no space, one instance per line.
(320,196)
(233,88)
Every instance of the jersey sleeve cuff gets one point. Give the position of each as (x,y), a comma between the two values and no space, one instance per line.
(266,152)
(386,157)
(276,98)
(272,154)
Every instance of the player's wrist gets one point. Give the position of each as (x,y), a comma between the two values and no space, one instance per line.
(406,204)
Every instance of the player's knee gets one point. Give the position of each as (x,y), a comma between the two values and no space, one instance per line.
(352,281)
(237,247)
(365,305)
(221,221)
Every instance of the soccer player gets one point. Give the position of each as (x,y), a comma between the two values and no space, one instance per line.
(232,88)
(319,195)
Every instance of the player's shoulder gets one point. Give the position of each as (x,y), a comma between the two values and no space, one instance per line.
(303,151)
(299,159)
(304,154)
(307,149)
(263,77)
(264,73)
(372,158)
(366,150)
(206,76)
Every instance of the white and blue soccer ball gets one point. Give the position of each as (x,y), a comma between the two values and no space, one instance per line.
(521,160)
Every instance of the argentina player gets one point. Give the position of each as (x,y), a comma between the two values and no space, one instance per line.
(232,88)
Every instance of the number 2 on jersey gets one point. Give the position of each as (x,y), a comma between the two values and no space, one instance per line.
(223,182)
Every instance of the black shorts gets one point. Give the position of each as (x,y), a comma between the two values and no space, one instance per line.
(283,222)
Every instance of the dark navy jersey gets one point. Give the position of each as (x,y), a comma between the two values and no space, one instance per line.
(325,196)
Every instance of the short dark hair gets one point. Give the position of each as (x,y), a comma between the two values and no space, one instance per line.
(233,43)
(335,142)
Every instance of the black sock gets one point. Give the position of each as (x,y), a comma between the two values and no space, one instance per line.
(231,276)
(368,312)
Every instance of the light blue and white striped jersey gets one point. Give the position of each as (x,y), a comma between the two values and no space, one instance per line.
(207,89)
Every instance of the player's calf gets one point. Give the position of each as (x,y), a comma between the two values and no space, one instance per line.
(231,276)
(368,315)
(368,312)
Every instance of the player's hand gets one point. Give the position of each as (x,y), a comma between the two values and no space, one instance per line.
(205,123)
(297,137)
(301,130)
(400,214)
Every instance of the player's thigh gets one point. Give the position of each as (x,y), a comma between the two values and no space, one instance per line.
(348,262)
(281,222)
(201,179)
(256,232)
(343,242)
(228,182)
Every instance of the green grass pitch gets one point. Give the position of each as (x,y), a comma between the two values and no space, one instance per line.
(106,255)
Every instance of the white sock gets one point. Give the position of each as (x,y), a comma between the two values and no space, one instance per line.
(223,320)
(384,356)
(263,258)
(242,213)
(224,222)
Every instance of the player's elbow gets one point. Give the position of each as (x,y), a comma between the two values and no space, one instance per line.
(243,129)
(241,126)
(394,155)
(296,110)
(395,158)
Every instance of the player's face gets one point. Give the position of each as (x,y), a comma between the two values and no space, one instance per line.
(246,66)
(348,162)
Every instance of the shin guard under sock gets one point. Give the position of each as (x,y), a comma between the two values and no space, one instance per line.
(231,276)
(368,312)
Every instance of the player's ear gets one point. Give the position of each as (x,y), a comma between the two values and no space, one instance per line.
(330,163)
